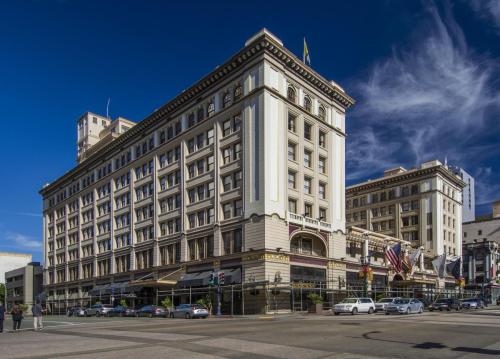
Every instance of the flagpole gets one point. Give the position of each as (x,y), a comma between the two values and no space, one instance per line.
(304,50)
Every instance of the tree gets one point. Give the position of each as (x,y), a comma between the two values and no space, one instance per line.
(206,302)
(123,303)
(167,302)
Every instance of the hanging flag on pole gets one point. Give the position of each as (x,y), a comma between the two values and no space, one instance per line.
(305,55)
(414,256)
(393,254)
(455,267)
(439,265)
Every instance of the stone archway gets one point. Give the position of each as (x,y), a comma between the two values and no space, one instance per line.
(309,244)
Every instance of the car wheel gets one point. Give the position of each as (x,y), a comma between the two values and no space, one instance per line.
(187,316)
(354,311)
(408,311)
(370,311)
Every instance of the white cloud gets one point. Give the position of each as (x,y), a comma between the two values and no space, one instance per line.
(22,240)
(489,9)
(426,101)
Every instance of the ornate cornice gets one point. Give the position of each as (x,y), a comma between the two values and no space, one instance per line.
(265,43)
(408,175)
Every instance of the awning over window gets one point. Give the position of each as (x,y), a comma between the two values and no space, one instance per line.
(198,279)
(232,276)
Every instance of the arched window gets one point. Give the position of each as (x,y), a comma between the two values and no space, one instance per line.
(211,108)
(308,244)
(226,101)
(307,104)
(291,94)
(321,113)
(238,91)
(200,114)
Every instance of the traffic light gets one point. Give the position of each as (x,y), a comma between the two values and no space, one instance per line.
(211,279)
(221,278)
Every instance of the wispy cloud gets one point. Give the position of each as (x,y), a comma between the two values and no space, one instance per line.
(489,9)
(22,241)
(428,100)
(26,214)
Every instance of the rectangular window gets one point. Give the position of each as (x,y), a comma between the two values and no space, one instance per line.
(307,158)
(307,131)
(322,139)
(307,185)
(292,121)
(322,190)
(322,164)
(291,151)
(227,210)
(292,206)
(291,180)
(308,210)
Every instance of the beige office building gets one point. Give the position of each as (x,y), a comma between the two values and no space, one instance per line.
(242,172)
(421,206)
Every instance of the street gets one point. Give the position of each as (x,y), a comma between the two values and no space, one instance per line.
(471,334)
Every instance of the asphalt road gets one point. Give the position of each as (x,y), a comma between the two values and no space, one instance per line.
(429,335)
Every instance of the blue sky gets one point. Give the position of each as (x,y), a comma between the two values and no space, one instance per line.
(425,76)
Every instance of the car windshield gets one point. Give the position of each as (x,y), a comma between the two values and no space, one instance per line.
(350,301)
(442,301)
(402,301)
(385,300)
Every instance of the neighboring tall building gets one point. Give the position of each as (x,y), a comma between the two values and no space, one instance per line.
(422,206)
(242,172)
(481,252)
(10,261)
(98,130)
(468,194)
(24,284)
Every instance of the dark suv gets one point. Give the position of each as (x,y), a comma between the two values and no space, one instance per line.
(445,304)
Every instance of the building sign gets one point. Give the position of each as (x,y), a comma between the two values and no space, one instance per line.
(269,257)
(336,265)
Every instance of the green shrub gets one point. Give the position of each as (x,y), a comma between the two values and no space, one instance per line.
(315,298)
(123,303)
(167,302)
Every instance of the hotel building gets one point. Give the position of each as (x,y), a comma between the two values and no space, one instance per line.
(421,206)
(243,172)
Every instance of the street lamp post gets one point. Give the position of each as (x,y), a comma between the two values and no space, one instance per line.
(365,263)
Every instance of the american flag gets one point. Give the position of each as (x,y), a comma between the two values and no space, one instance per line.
(393,254)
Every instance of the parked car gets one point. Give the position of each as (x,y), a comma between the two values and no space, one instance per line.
(189,311)
(120,311)
(151,311)
(445,304)
(76,312)
(383,303)
(472,303)
(405,306)
(98,310)
(355,306)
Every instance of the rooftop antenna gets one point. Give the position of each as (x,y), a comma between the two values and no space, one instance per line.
(107,108)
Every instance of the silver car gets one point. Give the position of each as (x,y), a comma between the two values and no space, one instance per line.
(405,306)
(98,310)
(189,311)
(383,303)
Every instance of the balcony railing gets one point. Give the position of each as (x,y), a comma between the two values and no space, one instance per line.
(309,222)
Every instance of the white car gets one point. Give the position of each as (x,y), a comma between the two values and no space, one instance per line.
(383,303)
(355,306)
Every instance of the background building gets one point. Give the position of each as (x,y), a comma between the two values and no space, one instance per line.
(468,194)
(24,285)
(10,261)
(242,172)
(481,251)
(422,206)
